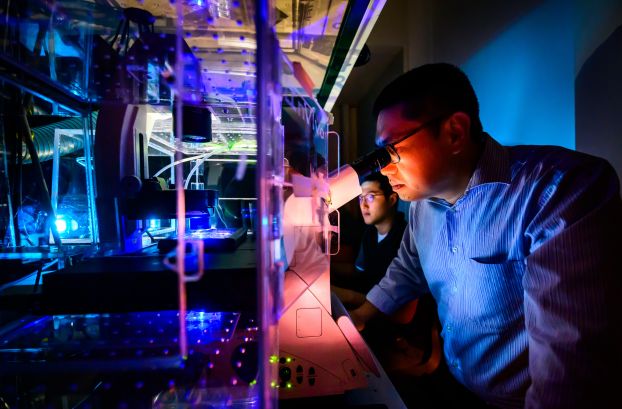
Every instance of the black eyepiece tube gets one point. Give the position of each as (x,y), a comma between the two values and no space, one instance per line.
(371,162)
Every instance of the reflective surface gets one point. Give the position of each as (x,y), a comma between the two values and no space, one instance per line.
(113,337)
(101,360)
(125,49)
(127,97)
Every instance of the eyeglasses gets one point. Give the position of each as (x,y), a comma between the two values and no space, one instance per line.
(395,157)
(369,197)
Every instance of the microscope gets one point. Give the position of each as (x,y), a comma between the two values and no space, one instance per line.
(321,352)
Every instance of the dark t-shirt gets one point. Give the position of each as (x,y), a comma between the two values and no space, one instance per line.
(374,257)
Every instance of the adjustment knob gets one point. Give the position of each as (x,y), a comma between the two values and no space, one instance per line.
(285,373)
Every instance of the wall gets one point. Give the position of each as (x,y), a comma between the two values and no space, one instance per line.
(524,78)
(366,121)
(599,80)
(546,71)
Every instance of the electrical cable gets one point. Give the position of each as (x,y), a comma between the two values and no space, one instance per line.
(170,165)
(196,167)
(220,216)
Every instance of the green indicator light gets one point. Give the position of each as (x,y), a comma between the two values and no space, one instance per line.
(253,382)
(289,359)
(273,384)
(274,359)
(289,385)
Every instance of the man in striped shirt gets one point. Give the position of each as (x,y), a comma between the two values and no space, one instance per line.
(518,245)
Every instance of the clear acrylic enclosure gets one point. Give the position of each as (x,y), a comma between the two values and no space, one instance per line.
(148,148)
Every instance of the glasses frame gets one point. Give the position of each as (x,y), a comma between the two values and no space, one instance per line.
(390,147)
(366,195)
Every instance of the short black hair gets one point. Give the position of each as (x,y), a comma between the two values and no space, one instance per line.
(432,91)
(382,180)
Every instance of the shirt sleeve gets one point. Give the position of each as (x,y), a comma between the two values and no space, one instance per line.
(404,279)
(573,291)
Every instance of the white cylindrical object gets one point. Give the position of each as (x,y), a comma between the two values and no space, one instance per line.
(344,186)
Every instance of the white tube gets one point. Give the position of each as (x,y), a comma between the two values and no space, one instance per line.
(344,186)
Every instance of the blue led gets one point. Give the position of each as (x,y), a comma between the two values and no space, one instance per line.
(61,225)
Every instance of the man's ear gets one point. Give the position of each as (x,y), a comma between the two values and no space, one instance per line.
(393,198)
(458,127)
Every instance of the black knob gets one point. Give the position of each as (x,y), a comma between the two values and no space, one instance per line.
(285,373)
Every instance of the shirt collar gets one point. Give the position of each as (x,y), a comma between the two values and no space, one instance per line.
(493,165)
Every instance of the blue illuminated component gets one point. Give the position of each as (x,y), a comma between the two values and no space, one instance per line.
(61,224)
(66,224)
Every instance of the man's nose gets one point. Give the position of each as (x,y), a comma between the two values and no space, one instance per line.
(389,169)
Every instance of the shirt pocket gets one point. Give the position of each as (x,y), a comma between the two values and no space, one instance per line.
(492,296)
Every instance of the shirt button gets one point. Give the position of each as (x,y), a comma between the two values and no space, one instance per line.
(454,289)
(454,249)
(448,328)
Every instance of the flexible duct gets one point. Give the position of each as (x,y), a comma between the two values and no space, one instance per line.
(44,138)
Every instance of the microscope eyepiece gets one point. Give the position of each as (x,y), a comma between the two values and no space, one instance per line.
(344,183)
(371,162)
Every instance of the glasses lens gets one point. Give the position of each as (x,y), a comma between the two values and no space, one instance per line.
(369,198)
(395,158)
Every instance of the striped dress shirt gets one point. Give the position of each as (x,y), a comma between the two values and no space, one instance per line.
(525,270)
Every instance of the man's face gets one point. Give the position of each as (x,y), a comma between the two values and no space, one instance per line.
(379,208)
(425,162)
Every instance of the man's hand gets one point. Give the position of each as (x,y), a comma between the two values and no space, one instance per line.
(363,314)
(349,298)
